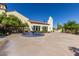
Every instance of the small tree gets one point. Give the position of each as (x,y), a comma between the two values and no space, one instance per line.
(71,26)
(59,26)
(11,22)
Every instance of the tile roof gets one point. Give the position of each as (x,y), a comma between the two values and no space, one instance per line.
(36,22)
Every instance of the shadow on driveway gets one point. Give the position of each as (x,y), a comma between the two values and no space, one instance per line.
(74,50)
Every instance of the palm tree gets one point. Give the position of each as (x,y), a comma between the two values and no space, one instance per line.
(71,26)
(59,27)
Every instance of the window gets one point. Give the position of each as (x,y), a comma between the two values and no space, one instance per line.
(44,28)
(36,28)
(33,28)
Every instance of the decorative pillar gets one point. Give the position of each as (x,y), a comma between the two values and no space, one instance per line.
(41,28)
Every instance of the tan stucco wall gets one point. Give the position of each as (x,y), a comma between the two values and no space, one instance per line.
(21,17)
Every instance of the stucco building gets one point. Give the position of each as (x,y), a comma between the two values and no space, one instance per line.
(33,25)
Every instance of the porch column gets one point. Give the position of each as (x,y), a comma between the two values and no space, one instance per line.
(41,28)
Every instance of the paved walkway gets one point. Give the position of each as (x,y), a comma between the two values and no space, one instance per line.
(52,44)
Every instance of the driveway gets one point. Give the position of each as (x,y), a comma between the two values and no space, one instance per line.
(52,44)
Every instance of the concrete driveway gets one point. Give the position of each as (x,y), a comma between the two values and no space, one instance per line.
(52,44)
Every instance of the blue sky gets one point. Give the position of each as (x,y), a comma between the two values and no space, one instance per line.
(60,12)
